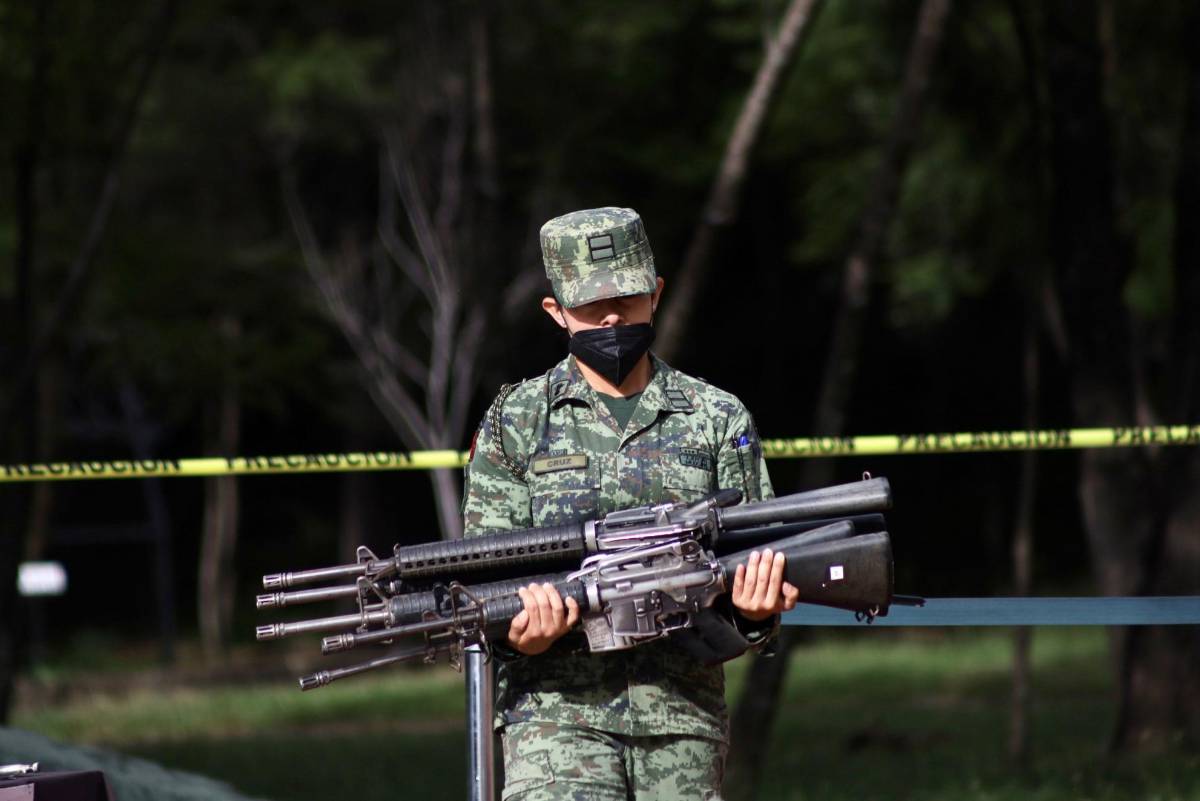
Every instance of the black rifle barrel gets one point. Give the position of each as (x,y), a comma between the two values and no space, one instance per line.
(324,677)
(741,538)
(279,600)
(872,495)
(282,581)
(376,613)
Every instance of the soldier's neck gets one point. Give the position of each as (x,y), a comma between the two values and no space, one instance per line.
(637,380)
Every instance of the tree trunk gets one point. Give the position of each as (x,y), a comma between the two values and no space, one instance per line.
(1116,493)
(12,609)
(721,207)
(1022,549)
(20,445)
(20,380)
(353,515)
(447,494)
(1139,507)
(143,434)
(482,108)
(1160,697)
(754,717)
(37,538)
(219,538)
(1036,290)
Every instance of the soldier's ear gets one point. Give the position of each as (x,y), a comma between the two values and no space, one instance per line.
(552,308)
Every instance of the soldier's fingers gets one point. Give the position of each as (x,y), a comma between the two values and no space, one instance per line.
(751,578)
(545,614)
(556,605)
(763,577)
(532,610)
(572,611)
(776,580)
(516,629)
(739,581)
(791,596)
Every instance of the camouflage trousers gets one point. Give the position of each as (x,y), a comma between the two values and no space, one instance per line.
(556,762)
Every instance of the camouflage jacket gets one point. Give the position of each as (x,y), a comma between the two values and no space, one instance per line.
(686,439)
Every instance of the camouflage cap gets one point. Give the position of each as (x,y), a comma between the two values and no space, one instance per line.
(596,254)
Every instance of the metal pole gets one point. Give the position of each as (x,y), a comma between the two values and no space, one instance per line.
(481,702)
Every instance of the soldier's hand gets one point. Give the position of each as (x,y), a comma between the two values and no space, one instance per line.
(544,619)
(759,590)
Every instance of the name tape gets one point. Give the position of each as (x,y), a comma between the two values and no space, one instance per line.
(799,447)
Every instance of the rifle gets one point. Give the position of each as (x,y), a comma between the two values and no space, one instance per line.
(638,575)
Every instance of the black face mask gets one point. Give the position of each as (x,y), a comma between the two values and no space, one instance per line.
(612,351)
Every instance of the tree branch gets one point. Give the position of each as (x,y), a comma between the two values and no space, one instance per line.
(85,259)
(413,268)
(396,402)
(758,704)
(721,206)
(418,216)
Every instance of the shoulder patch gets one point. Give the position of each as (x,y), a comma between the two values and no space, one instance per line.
(558,388)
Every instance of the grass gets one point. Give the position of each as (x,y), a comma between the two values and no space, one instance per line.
(865,716)
(417,700)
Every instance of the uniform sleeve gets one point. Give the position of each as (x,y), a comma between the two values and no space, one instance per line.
(740,465)
(740,462)
(495,494)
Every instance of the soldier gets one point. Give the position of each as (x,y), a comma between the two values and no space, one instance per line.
(612,427)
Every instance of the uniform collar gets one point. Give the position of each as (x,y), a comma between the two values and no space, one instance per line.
(567,383)
(664,391)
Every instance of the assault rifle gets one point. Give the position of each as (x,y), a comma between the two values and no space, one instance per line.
(638,575)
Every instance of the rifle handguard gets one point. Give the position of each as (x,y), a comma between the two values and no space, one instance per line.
(499,611)
(412,606)
(499,551)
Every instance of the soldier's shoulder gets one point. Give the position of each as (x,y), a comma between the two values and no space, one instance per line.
(521,401)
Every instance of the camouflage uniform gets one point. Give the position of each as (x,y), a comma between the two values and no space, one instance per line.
(657,714)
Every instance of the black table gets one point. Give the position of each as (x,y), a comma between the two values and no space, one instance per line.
(76,785)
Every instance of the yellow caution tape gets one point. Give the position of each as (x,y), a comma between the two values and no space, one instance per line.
(234,466)
(800,447)
(984,441)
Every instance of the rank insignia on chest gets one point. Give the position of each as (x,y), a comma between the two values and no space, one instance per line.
(691,457)
(679,401)
(550,464)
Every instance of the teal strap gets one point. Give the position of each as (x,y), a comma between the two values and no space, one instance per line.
(1181,610)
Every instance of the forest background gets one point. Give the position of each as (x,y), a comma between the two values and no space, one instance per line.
(281,227)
